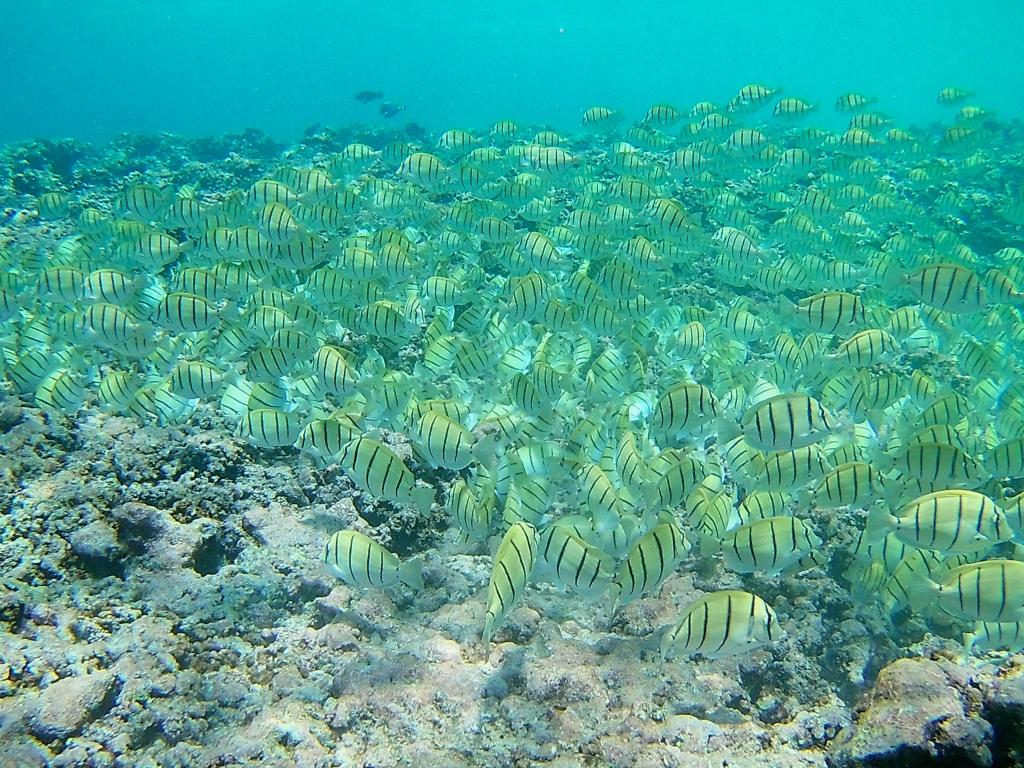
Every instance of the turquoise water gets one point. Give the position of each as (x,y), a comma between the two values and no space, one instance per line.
(95,69)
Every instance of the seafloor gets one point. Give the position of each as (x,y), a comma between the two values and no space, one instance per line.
(163,604)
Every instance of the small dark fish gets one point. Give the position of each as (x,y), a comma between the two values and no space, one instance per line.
(367,96)
(415,131)
(313,130)
(390,110)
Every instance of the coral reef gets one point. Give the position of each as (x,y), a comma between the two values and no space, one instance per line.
(164,605)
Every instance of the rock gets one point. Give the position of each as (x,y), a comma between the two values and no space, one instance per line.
(61,709)
(169,546)
(917,714)
(1004,708)
(10,417)
(96,546)
(24,752)
(138,525)
(97,540)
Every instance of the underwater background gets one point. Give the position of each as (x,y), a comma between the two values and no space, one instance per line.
(511,384)
(93,70)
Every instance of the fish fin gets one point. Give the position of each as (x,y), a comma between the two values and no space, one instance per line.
(970,638)
(667,644)
(488,629)
(806,563)
(484,450)
(605,521)
(709,545)
(423,499)
(805,498)
(785,306)
(411,573)
(880,523)
(921,591)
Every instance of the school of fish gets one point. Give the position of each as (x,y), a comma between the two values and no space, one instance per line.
(704,334)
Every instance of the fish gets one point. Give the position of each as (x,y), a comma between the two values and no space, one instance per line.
(685,406)
(771,545)
(990,590)
(651,560)
(447,443)
(720,624)
(949,521)
(513,565)
(357,559)
(948,287)
(270,427)
(786,422)
(325,438)
(375,468)
(367,96)
(1005,636)
(575,564)
(849,484)
(388,110)
(472,509)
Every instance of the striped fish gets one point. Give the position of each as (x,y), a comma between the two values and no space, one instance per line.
(786,470)
(375,468)
(513,565)
(116,389)
(673,479)
(721,624)
(471,511)
(600,496)
(573,563)
(854,482)
(831,311)
(186,312)
(270,427)
(1005,636)
(196,379)
(787,422)
(62,284)
(1006,459)
(949,287)
(446,443)
(937,464)
(992,590)
(651,560)
(357,559)
(772,545)
(324,438)
(685,406)
(758,505)
(949,521)
(110,285)
(866,348)
(424,168)
(334,371)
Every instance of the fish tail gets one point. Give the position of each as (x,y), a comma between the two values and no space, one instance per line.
(411,573)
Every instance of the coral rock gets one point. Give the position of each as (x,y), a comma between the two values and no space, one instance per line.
(62,708)
(1004,708)
(917,714)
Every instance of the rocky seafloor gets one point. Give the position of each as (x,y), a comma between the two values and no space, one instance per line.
(163,604)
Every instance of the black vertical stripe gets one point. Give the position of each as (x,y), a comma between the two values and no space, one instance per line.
(1002,592)
(704,627)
